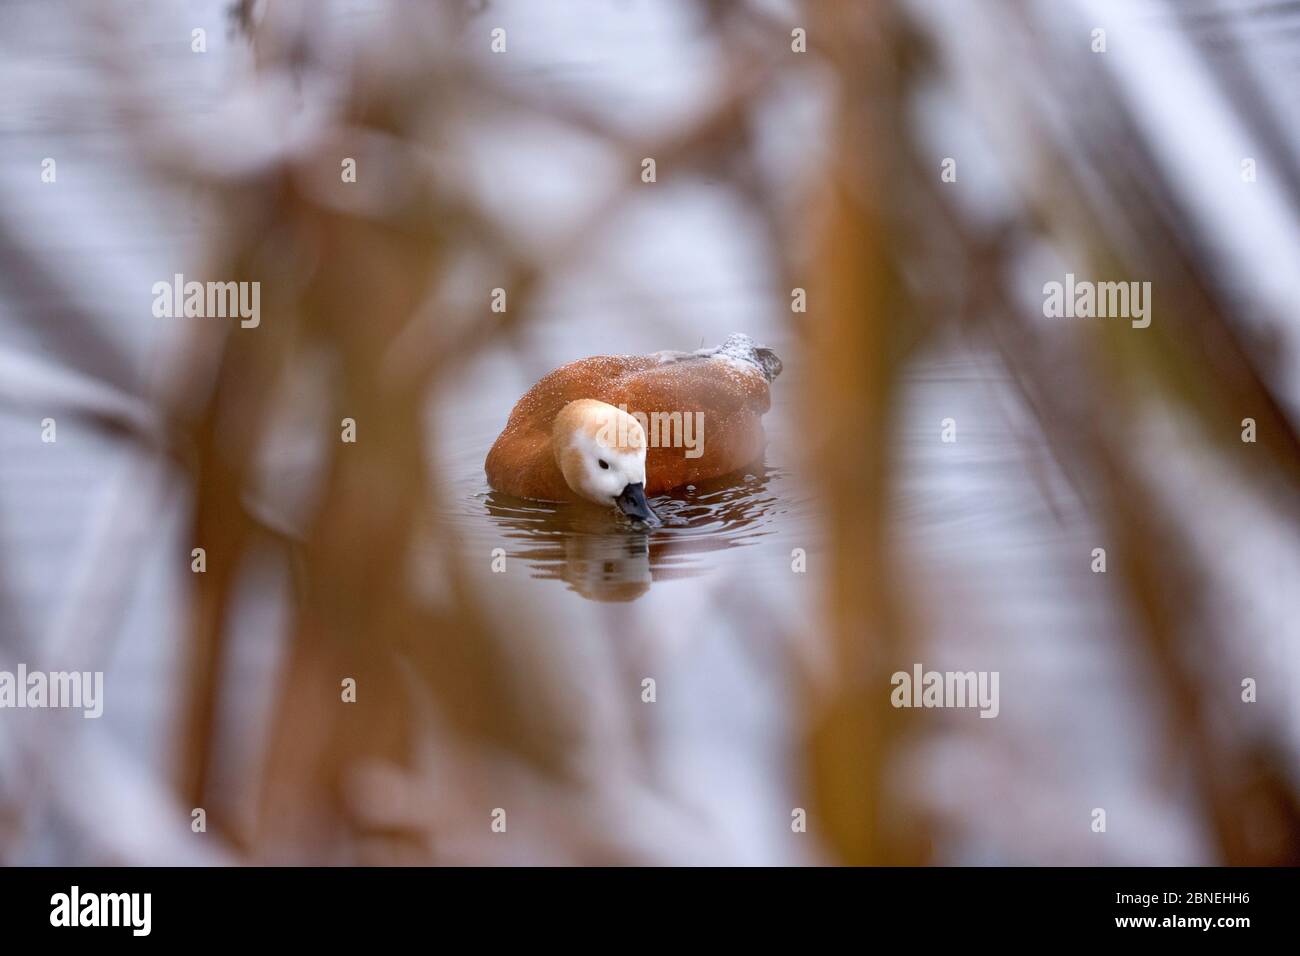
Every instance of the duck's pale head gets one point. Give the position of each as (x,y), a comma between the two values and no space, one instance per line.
(601,453)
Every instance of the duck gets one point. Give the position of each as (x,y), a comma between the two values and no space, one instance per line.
(614,429)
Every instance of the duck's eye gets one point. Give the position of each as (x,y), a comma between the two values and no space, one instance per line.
(603,463)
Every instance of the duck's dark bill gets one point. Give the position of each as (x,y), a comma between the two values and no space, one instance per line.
(633,504)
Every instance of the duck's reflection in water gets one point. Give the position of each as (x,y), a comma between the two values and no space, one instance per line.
(603,557)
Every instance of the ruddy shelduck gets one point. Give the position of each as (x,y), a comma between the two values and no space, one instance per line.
(581,432)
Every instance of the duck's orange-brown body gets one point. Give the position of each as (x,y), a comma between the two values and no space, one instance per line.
(729,395)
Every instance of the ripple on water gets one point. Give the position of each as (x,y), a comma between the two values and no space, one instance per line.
(602,556)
